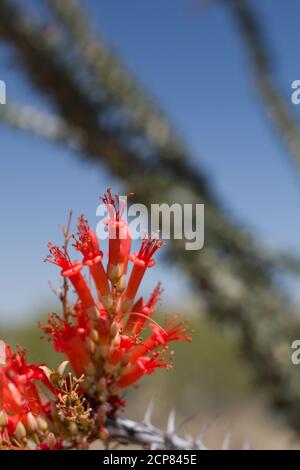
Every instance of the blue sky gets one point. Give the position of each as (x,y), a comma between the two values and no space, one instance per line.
(191,59)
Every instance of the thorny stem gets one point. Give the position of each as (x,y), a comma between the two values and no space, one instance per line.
(126,431)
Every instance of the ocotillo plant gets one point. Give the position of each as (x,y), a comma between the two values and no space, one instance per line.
(110,339)
(102,113)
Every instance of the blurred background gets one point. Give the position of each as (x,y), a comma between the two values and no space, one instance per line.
(182,101)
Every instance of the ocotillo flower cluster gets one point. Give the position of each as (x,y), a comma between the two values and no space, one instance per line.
(108,334)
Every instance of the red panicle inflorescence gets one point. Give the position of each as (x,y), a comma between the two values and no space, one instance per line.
(109,336)
(106,339)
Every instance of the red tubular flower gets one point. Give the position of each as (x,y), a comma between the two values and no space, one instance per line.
(141,261)
(144,366)
(118,351)
(135,318)
(88,245)
(21,406)
(137,321)
(70,340)
(119,236)
(125,248)
(161,336)
(61,258)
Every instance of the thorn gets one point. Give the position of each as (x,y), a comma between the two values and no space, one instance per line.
(207,427)
(227,440)
(199,444)
(171,422)
(148,414)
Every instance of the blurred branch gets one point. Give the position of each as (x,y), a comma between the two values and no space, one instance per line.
(46,65)
(111,75)
(233,274)
(277,108)
(41,123)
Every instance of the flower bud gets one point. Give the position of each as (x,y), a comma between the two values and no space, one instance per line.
(107,301)
(93,313)
(42,424)
(121,284)
(114,329)
(73,428)
(126,305)
(3,419)
(91,369)
(114,271)
(20,431)
(103,350)
(32,424)
(90,345)
(50,440)
(94,335)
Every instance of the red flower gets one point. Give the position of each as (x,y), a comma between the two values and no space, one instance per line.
(70,340)
(144,365)
(161,336)
(141,261)
(102,337)
(110,339)
(124,345)
(88,242)
(119,236)
(136,321)
(22,411)
(60,257)
(88,245)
